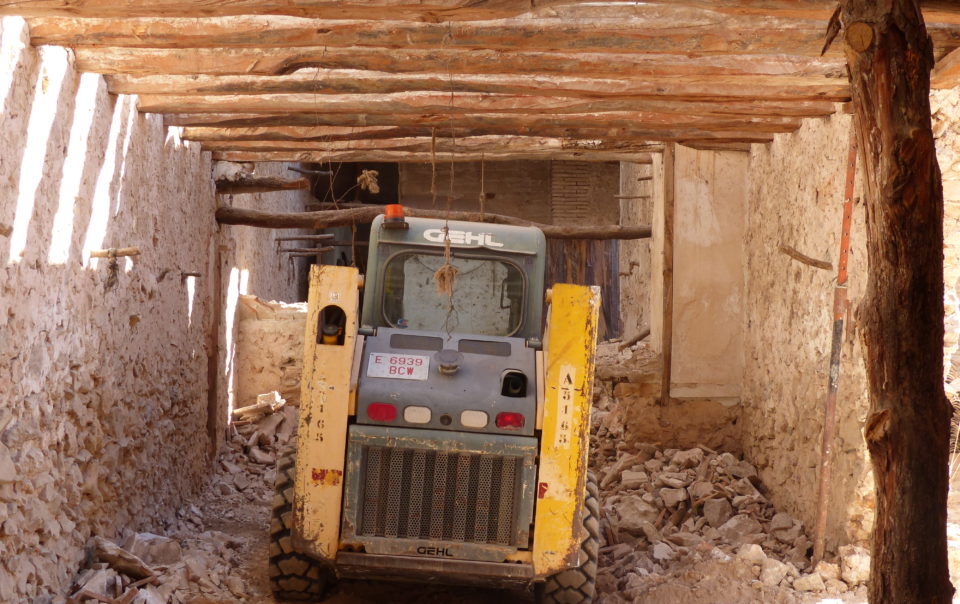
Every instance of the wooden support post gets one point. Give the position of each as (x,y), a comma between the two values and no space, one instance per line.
(666,351)
(890,57)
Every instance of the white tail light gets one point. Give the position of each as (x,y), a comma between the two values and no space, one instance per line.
(474,419)
(416,415)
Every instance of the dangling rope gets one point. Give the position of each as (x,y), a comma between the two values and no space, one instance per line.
(483,193)
(433,167)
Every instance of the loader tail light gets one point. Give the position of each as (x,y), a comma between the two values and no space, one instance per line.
(381,412)
(509,421)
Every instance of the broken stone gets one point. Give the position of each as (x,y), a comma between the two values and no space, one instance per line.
(651,532)
(632,513)
(120,559)
(784,528)
(811,582)
(687,459)
(684,539)
(835,586)
(661,551)
(153,549)
(717,511)
(633,480)
(827,570)
(854,564)
(258,455)
(673,480)
(672,497)
(772,571)
(8,470)
(700,489)
(736,530)
(751,553)
(742,469)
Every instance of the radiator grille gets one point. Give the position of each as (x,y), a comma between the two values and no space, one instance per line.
(426,494)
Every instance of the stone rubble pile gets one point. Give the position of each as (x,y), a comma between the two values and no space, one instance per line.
(664,509)
(191,562)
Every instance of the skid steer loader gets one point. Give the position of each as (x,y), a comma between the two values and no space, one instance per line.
(443,435)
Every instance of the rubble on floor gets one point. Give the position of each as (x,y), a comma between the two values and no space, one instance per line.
(200,558)
(665,511)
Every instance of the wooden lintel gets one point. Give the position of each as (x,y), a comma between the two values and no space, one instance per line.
(473,144)
(946,74)
(409,157)
(260,185)
(277,61)
(669,30)
(748,88)
(331,218)
(432,11)
(425,106)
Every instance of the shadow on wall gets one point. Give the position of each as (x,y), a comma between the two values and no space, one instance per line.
(103,363)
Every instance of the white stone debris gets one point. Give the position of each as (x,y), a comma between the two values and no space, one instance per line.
(190,561)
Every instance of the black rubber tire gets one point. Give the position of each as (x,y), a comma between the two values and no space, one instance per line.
(293,575)
(578,585)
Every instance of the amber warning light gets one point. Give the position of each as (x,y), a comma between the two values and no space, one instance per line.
(393,217)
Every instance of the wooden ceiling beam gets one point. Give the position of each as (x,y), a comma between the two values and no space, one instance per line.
(426,144)
(329,134)
(668,32)
(432,11)
(653,31)
(415,108)
(279,61)
(425,158)
(632,122)
(946,73)
(712,88)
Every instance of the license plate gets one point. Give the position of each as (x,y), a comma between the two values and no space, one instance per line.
(398,366)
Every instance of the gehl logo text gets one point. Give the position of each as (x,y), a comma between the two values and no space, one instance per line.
(462,238)
(440,552)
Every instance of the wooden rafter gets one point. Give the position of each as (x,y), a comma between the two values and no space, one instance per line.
(411,157)
(684,31)
(712,88)
(278,61)
(433,11)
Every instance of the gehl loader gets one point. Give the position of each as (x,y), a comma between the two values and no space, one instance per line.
(443,436)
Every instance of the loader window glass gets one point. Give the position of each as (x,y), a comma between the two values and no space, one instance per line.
(487,294)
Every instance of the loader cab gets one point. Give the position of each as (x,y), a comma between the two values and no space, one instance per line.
(497,287)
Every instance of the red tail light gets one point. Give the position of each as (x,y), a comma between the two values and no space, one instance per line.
(509,421)
(381,412)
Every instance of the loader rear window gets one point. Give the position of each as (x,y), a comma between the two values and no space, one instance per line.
(488,294)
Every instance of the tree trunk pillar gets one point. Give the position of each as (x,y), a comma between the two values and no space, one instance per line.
(890,57)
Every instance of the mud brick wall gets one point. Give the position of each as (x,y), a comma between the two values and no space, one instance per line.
(106,368)
(795,199)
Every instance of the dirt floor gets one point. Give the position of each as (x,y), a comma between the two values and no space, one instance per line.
(215,550)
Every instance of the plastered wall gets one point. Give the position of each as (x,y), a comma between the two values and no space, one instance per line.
(636,208)
(106,369)
(945,108)
(795,199)
(709,204)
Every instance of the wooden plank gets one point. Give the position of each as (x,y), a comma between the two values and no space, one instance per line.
(433,11)
(573,125)
(276,61)
(715,88)
(408,157)
(650,31)
(442,145)
(366,213)
(666,350)
(946,74)
(261,185)
(328,134)
(419,103)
